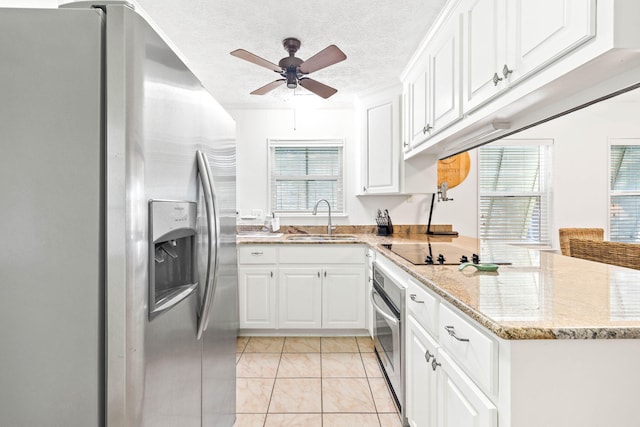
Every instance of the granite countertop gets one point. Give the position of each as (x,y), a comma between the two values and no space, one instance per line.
(541,295)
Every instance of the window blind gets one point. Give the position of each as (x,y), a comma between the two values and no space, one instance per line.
(514,193)
(302,175)
(625,193)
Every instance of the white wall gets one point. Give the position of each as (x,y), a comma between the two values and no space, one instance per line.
(580,167)
(255,126)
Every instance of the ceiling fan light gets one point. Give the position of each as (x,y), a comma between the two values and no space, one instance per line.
(292,81)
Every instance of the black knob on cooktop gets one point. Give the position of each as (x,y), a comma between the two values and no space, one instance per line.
(476,259)
(464,258)
(441,259)
(429,259)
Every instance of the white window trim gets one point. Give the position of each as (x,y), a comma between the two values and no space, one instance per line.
(315,142)
(523,142)
(611,142)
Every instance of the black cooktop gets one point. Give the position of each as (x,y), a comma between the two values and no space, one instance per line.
(437,254)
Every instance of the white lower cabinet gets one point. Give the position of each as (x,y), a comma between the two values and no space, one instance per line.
(438,393)
(460,402)
(299,298)
(257,294)
(302,287)
(421,379)
(343,298)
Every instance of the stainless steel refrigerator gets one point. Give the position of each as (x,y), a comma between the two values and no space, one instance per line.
(118,284)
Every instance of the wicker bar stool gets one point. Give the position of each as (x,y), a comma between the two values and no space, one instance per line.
(614,253)
(578,233)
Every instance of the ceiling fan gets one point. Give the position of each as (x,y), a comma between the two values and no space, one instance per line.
(294,70)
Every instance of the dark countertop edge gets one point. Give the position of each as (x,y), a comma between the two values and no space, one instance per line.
(510,333)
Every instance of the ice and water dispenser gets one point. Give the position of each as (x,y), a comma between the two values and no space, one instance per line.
(172,253)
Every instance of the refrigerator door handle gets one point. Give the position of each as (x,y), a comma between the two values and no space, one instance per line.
(213,234)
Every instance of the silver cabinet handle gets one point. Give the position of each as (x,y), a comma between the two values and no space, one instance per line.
(428,356)
(364,189)
(435,364)
(257,253)
(452,333)
(496,79)
(414,299)
(426,128)
(325,274)
(271,272)
(213,247)
(405,144)
(318,274)
(506,71)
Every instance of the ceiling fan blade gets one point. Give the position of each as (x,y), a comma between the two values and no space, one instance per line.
(328,56)
(316,87)
(248,56)
(268,88)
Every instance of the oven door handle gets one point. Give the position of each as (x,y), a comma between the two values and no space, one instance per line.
(391,319)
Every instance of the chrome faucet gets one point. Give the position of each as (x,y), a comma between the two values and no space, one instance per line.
(315,211)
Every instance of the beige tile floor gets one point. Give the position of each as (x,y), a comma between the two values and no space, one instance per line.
(311,382)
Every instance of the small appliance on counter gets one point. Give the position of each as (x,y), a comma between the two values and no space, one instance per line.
(385,227)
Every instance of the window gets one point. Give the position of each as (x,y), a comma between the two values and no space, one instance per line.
(303,172)
(624,213)
(515,192)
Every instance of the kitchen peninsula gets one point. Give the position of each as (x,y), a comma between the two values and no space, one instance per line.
(553,340)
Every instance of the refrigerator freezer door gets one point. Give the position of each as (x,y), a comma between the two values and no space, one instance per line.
(154,121)
(51,271)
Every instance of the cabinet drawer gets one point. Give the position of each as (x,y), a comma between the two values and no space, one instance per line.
(423,306)
(475,352)
(258,254)
(325,254)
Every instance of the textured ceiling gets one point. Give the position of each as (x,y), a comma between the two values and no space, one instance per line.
(378,37)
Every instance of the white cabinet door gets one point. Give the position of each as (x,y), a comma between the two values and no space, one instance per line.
(299,298)
(406,118)
(381,151)
(444,103)
(257,294)
(418,103)
(540,31)
(484,51)
(343,298)
(460,401)
(421,378)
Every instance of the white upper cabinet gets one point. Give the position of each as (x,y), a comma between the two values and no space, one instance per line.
(444,59)
(540,31)
(505,41)
(380,115)
(484,51)
(420,123)
(384,130)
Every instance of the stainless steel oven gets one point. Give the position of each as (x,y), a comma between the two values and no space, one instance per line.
(387,298)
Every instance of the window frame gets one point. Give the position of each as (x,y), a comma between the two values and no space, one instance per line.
(546,194)
(272,143)
(611,193)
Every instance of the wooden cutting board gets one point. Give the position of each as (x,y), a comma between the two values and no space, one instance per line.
(454,169)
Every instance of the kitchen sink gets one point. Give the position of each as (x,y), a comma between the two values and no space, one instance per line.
(254,234)
(321,237)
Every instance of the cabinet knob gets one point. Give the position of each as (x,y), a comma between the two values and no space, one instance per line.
(428,356)
(415,299)
(405,144)
(318,274)
(364,189)
(452,333)
(496,79)
(435,364)
(271,273)
(325,274)
(506,71)
(426,128)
